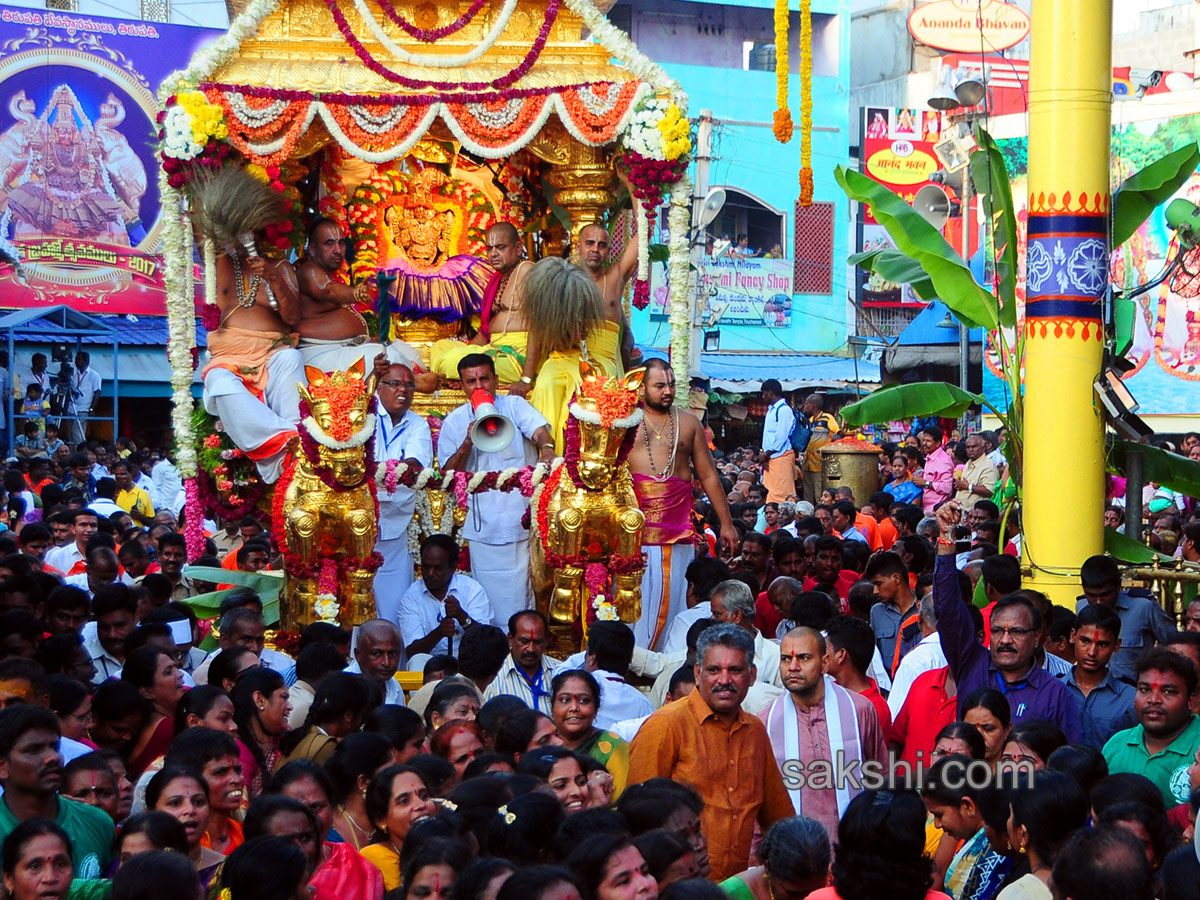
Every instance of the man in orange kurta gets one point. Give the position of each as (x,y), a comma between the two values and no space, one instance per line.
(708,742)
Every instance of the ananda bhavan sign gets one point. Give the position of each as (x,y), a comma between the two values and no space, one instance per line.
(962,26)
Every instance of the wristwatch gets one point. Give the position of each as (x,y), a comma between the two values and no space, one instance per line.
(525,379)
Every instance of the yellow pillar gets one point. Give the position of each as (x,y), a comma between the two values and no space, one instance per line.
(1070,97)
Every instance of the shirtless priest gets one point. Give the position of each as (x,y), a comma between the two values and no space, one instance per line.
(668,451)
(333,336)
(250,380)
(503,332)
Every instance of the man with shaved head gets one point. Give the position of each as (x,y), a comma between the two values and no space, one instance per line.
(503,330)
(611,280)
(817,729)
(404,436)
(377,656)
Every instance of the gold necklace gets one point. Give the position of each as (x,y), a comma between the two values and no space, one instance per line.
(658,432)
(355,826)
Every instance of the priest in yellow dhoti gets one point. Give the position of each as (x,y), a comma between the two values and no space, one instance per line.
(565,313)
(502,331)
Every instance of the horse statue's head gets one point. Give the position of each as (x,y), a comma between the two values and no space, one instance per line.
(604,410)
(339,420)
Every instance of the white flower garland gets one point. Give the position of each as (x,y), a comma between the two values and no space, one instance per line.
(605,611)
(178,140)
(593,418)
(643,240)
(327,608)
(437,62)
(422,521)
(210,272)
(181,321)
(379,156)
(679,278)
(357,439)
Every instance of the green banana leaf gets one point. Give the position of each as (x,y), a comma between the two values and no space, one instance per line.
(904,401)
(896,268)
(268,586)
(913,236)
(995,195)
(1145,190)
(1161,466)
(1126,549)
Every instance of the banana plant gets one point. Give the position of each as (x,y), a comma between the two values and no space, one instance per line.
(924,259)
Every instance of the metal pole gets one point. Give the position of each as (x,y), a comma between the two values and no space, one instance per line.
(964,357)
(703,157)
(1135,480)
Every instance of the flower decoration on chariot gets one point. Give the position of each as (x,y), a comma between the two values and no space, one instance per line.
(608,402)
(339,415)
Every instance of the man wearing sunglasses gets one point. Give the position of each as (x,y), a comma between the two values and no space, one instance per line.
(403,436)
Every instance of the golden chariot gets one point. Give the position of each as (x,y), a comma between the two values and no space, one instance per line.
(416,125)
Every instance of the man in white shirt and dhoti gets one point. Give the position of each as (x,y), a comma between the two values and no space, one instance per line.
(401,437)
(498,543)
(818,729)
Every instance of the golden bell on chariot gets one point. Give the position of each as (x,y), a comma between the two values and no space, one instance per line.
(413,126)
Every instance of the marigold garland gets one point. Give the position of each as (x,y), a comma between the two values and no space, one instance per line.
(782,126)
(806,104)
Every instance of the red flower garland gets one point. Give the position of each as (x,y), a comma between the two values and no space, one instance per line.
(418,84)
(429,35)
(571,450)
(343,99)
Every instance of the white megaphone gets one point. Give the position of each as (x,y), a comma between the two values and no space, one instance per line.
(491,432)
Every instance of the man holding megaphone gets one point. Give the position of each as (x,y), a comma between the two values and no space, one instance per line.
(489,433)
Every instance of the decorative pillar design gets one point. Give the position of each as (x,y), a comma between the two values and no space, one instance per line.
(582,186)
(1070,101)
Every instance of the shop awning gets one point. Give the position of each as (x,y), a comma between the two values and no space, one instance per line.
(745,372)
(932,339)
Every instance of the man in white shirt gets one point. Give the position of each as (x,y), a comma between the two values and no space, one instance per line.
(84,523)
(105,503)
(102,568)
(609,650)
(435,611)
(403,436)
(85,386)
(921,658)
(779,476)
(499,544)
(165,483)
(733,604)
(377,650)
(243,626)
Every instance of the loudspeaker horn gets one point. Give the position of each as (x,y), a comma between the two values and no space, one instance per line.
(490,432)
(714,200)
(933,205)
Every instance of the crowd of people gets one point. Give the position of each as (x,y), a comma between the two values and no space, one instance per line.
(852,700)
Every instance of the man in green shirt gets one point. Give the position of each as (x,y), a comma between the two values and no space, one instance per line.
(31,772)
(1164,743)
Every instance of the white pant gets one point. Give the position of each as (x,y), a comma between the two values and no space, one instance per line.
(339,357)
(503,572)
(654,581)
(250,422)
(394,576)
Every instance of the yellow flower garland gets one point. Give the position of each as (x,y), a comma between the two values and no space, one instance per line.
(782,126)
(806,106)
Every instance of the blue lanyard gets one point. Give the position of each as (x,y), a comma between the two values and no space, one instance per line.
(535,687)
(387,441)
(1006,687)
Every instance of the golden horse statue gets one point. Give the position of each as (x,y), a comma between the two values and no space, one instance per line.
(327,519)
(586,558)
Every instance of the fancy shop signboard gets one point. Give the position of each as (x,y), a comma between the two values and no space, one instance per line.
(735,292)
(78,173)
(968,26)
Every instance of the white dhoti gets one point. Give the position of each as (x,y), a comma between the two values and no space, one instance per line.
(339,356)
(503,572)
(260,429)
(664,590)
(393,577)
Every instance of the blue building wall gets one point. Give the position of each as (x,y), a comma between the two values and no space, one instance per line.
(750,159)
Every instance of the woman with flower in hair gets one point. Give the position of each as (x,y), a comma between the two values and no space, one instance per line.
(396,799)
(266,868)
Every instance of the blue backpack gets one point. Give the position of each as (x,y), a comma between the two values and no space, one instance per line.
(801,435)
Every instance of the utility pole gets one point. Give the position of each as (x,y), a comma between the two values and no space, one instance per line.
(699,191)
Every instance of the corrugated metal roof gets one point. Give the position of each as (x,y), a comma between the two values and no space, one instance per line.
(137,331)
(747,371)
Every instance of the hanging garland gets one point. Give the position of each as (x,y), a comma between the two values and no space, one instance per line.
(806,107)
(429,35)
(782,126)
